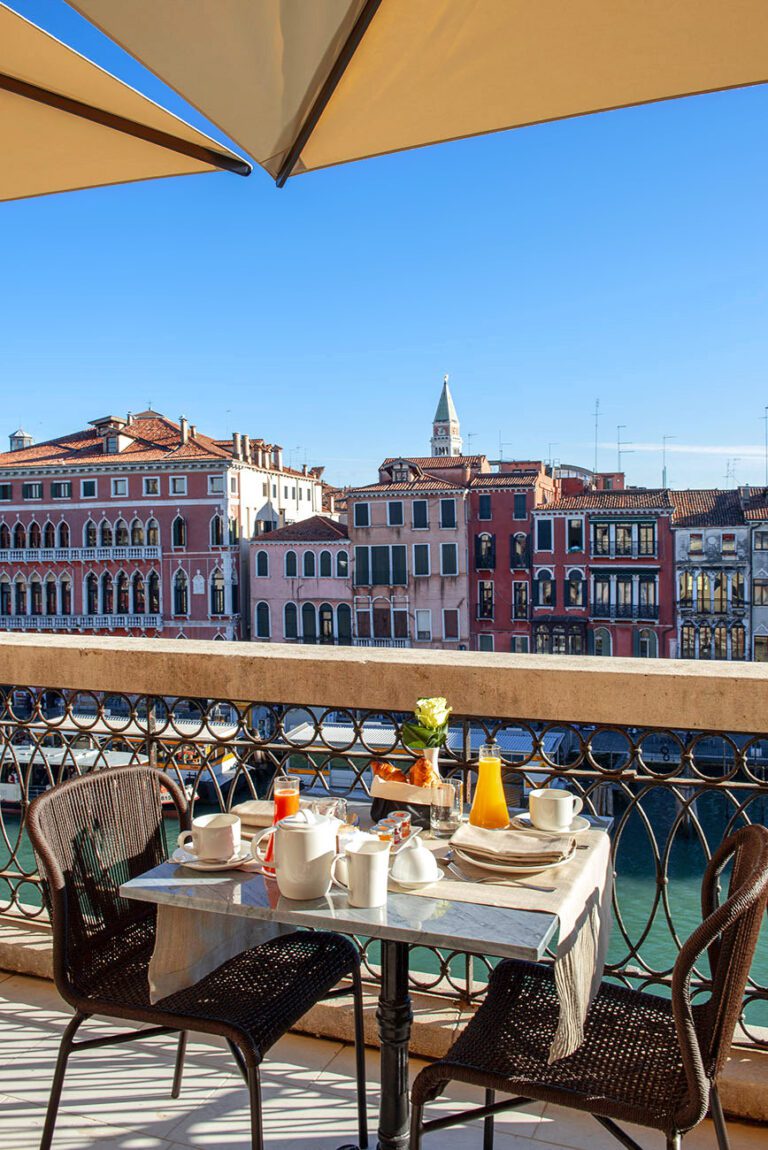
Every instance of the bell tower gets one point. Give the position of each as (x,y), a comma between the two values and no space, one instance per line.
(446,439)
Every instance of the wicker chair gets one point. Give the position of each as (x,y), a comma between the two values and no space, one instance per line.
(644,1059)
(94,833)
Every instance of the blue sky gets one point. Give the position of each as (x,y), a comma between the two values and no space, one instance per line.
(619,256)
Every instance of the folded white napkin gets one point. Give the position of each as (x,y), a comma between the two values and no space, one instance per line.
(255,812)
(515,848)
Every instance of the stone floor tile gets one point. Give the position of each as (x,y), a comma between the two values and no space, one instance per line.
(340,1074)
(575,1130)
(21,1126)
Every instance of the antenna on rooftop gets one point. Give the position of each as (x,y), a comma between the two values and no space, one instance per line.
(621,448)
(469,437)
(765,421)
(597,426)
(664,441)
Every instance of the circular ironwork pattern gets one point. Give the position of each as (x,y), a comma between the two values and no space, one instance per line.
(673,794)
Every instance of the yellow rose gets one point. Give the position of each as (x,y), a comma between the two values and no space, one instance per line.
(432,713)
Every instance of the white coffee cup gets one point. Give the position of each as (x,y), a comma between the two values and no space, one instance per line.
(553,809)
(367,871)
(213,838)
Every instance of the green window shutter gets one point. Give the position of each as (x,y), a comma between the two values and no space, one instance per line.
(380,566)
(399,573)
(362,567)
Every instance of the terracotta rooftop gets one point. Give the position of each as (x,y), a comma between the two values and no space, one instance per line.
(506,479)
(639,499)
(421,483)
(707,508)
(154,438)
(318,529)
(437,462)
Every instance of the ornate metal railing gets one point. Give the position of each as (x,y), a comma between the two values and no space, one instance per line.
(673,794)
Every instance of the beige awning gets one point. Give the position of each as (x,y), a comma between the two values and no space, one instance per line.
(302,84)
(65,123)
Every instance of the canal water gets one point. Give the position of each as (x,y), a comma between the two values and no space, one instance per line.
(682,861)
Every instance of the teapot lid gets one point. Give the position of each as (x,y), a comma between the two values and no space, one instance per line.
(303,819)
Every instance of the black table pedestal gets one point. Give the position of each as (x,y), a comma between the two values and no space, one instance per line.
(394,1016)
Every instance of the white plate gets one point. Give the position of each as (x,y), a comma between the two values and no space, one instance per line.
(186,858)
(505,868)
(416,885)
(577,827)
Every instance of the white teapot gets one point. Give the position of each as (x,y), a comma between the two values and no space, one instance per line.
(305,847)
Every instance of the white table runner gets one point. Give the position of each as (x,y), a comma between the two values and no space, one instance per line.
(192,943)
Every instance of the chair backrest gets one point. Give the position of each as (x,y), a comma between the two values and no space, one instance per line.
(90,835)
(728,937)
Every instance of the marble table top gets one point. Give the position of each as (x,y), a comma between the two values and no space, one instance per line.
(486,930)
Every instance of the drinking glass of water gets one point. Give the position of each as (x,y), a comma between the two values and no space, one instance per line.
(445,812)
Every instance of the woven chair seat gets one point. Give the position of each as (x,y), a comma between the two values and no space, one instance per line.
(255,996)
(629,1065)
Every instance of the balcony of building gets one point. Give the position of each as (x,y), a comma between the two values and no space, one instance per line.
(113,622)
(625,611)
(39,555)
(677,753)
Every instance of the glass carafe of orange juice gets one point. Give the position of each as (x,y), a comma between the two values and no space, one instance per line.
(285,792)
(489,806)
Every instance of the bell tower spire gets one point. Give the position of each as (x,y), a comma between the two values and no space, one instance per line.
(446,439)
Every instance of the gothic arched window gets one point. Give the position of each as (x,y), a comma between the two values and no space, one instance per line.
(179,532)
(105,533)
(217,593)
(35,535)
(49,535)
(217,531)
(19,536)
(153,593)
(137,533)
(139,600)
(89,534)
(63,534)
(121,533)
(153,533)
(91,594)
(180,593)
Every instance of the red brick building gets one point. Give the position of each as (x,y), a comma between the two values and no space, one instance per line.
(603,577)
(501,506)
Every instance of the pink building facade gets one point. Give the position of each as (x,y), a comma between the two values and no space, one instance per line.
(301,586)
(139,526)
(409,548)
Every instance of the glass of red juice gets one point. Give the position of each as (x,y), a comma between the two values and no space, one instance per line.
(286,798)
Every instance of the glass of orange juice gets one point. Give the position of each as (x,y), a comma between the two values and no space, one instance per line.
(285,793)
(489,805)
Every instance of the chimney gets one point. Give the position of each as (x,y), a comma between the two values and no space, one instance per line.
(247,448)
(184,429)
(304,469)
(278,457)
(192,431)
(236,445)
(129,418)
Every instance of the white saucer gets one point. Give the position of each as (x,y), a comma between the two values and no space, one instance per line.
(416,885)
(505,868)
(577,827)
(188,859)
